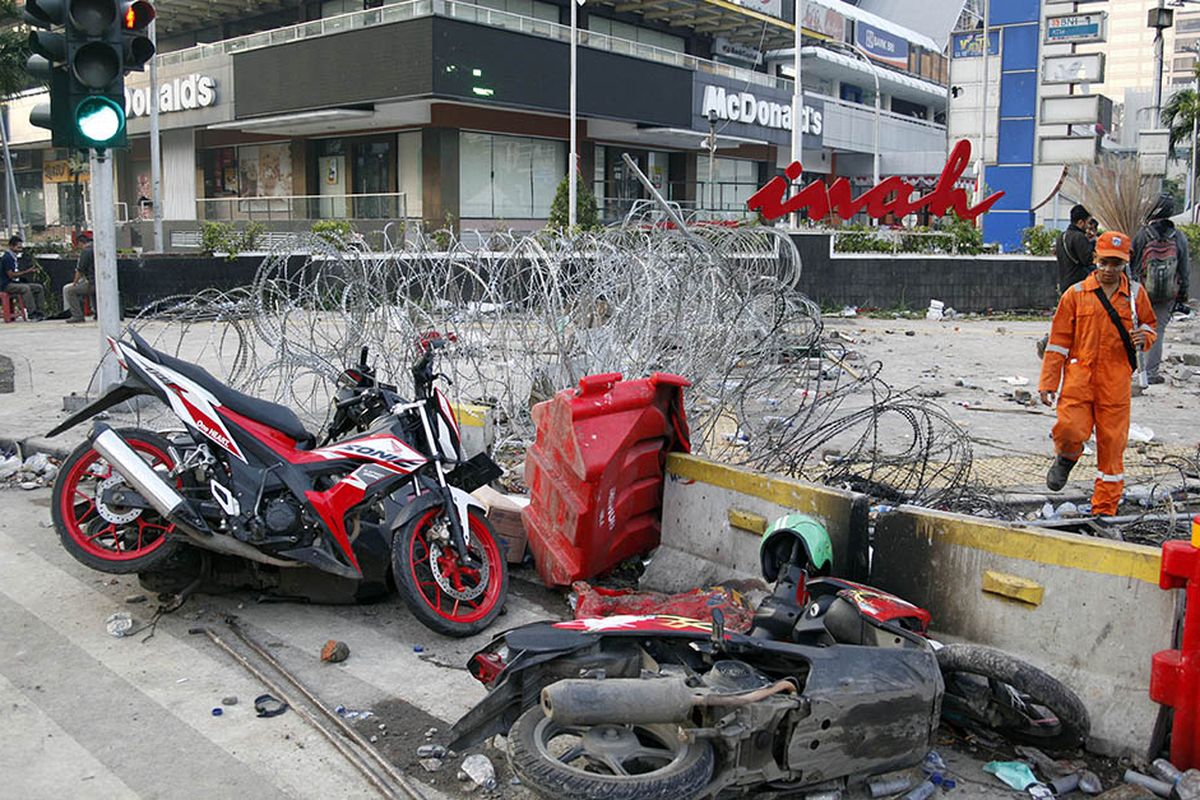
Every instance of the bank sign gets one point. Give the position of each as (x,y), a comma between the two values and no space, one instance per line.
(1076,28)
(759,113)
(181,94)
(884,47)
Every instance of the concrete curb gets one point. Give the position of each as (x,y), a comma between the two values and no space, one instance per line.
(29,445)
(1087,611)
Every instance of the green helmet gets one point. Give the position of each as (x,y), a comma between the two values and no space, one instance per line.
(778,539)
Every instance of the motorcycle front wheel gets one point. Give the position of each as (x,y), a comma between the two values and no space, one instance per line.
(445,595)
(607,762)
(993,690)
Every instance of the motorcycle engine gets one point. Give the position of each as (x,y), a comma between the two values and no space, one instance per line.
(735,676)
(281,516)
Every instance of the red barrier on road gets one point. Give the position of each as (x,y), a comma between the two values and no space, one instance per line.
(595,472)
(1175,674)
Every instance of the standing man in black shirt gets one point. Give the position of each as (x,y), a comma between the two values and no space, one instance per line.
(1074,250)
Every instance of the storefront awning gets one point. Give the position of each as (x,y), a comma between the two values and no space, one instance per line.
(713,18)
(897,84)
(329,120)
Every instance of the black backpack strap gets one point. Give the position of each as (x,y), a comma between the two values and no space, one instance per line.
(1130,353)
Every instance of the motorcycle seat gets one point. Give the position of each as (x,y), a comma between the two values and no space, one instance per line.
(273,415)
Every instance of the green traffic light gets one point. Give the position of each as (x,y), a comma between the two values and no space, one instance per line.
(99,120)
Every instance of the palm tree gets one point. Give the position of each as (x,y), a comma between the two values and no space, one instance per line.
(1179,113)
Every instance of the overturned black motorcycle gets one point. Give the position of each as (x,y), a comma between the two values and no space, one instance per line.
(833,681)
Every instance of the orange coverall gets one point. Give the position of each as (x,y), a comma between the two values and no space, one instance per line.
(1086,354)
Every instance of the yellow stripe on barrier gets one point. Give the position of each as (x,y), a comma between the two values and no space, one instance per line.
(1121,559)
(1013,587)
(747,521)
(470,416)
(775,489)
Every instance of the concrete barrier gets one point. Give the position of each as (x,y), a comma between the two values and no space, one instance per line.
(1087,611)
(714,514)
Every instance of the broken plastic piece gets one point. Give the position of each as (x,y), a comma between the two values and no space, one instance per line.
(335,651)
(480,770)
(119,624)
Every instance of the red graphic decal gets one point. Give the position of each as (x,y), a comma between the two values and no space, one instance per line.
(892,195)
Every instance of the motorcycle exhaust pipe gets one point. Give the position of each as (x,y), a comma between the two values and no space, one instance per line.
(631,701)
(635,701)
(141,476)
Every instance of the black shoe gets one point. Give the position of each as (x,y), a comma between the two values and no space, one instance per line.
(36,316)
(1156,379)
(1060,470)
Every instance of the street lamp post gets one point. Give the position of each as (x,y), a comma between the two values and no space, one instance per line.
(797,95)
(875,75)
(712,155)
(573,159)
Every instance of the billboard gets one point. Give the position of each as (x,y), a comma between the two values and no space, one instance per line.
(1076,28)
(970,45)
(886,48)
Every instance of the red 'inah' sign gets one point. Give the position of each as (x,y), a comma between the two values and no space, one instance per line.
(891,195)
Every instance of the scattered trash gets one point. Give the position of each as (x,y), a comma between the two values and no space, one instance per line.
(29,486)
(429,734)
(229,700)
(335,651)
(119,624)
(910,333)
(1188,787)
(849,312)
(1089,782)
(965,384)
(1040,791)
(922,792)
(1023,396)
(266,705)
(431,751)
(183,680)
(1140,433)
(431,764)
(136,598)
(1165,771)
(418,648)
(1016,774)
(480,770)
(888,785)
(936,309)
(1016,380)
(1160,788)
(595,601)
(216,712)
(350,714)
(374,739)
(933,763)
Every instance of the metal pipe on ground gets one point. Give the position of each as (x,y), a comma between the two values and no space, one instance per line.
(355,759)
(387,766)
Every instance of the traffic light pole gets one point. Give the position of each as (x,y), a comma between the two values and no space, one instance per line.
(104,228)
(155,146)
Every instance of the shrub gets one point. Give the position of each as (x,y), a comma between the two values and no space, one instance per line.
(225,237)
(587,218)
(1039,240)
(335,231)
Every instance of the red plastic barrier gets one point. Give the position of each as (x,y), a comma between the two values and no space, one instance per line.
(1175,674)
(595,472)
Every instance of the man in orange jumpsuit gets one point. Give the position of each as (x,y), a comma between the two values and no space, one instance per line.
(1094,362)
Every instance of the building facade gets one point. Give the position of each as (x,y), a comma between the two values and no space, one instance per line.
(455,112)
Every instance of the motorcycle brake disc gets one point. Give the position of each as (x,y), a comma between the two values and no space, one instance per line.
(110,513)
(435,552)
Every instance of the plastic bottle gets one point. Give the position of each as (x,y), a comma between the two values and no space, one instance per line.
(922,792)
(1160,788)
(888,785)
(1165,771)
(1066,784)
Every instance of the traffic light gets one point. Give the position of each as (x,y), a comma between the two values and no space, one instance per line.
(85,66)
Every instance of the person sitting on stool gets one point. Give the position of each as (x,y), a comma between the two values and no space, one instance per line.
(80,288)
(10,280)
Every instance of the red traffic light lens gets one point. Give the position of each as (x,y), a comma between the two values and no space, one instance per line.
(138,15)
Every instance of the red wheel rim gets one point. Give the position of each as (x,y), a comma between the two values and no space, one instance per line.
(89,530)
(421,564)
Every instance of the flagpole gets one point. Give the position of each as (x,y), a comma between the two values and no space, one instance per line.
(572,161)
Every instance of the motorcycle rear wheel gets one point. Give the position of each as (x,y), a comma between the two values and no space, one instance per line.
(444,595)
(111,539)
(993,690)
(607,762)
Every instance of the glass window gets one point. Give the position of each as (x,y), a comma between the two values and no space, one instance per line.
(508,177)
(1187,25)
(636,33)
(331,8)
(409,172)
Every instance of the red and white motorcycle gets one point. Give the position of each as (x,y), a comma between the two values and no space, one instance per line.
(387,487)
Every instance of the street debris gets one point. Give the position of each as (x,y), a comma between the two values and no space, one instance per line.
(1140,433)
(1016,774)
(888,785)
(479,769)
(134,599)
(1160,788)
(119,624)
(216,712)
(351,714)
(335,651)
(35,472)
(229,700)
(267,705)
